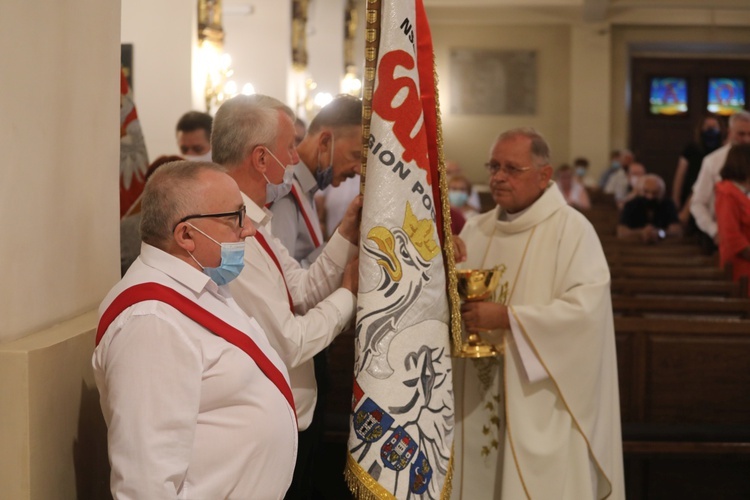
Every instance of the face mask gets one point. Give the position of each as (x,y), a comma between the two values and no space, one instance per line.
(324,176)
(203,157)
(581,171)
(711,138)
(458,198)
(277,191)
(232,260)
(615,164)
(634,181)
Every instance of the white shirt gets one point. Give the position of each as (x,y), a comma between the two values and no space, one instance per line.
(189,415)
(702,202)
(322,308)
(290,222)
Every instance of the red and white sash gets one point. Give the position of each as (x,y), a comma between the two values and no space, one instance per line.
(309,216)
(214,324)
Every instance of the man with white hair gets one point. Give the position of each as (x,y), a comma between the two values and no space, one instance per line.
(650,216)
(702,202)
(301,310)
(542,421)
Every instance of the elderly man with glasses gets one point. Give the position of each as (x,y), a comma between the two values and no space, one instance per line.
(197,402)
(542,420)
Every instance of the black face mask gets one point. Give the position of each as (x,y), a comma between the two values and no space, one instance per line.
(711,139)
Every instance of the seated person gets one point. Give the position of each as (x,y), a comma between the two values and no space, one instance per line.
(581,168)
(733,211)
(649,216)
(459,193)
(571,188)
(625,187)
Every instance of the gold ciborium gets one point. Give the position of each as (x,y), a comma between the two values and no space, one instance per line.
(476,285)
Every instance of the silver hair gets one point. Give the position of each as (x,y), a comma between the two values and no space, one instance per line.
(171,193)
(742,116)
(540,153)
(659,181)
(242,123)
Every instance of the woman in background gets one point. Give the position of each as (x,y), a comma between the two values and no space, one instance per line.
(708,137)
(733,211)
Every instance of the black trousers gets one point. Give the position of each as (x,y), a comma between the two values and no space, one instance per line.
(310,440)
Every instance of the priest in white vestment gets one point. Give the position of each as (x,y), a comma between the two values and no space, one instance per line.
(543,420)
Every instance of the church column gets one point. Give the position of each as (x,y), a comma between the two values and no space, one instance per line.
(590,93)
(59,245)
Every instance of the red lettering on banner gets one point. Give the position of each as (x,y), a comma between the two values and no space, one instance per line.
(408,113)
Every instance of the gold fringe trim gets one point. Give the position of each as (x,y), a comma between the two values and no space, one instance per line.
(361,484)
(365,487)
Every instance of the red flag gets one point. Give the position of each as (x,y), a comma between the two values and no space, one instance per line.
(133,156)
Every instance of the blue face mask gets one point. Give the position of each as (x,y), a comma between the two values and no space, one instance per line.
(324,176)
(581,171)
(278,191)
(458,198)
(232,260)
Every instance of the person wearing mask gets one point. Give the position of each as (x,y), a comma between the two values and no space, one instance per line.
(708,138)
(459,193)
(196,400)
(301,310)
(614,166)
(650,216)
(702,202)
(581,169)
(329,154)
(571,188)
(193,133)
(733,211)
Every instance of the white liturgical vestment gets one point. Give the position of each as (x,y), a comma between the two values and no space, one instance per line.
(555,434)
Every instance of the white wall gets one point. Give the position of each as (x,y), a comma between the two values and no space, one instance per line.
(59,214)
(468,138)
(59,104)
(162,33)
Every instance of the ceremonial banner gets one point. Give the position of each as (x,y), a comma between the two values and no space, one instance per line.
(401,429)
(133,156)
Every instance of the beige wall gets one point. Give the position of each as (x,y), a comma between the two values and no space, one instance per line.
(468,138)
(59,101)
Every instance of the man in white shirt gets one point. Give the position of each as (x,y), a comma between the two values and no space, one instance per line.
(302,310)
(189,414)
(542,421)
(702,201)
(330,153)
(193,134)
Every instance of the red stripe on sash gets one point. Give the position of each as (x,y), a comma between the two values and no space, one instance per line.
(262,240)
(217,326)
(306,217)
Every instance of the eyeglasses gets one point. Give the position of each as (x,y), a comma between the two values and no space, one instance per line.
(494,167)
(240,214)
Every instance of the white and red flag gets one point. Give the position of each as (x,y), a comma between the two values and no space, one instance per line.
(401,430)
(133,156)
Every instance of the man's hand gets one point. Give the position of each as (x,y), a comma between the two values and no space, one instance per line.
(459,249)
(350,279)
(479,316)
(649,234)
(349,227)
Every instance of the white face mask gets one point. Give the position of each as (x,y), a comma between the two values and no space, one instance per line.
(203,157)
(277,191)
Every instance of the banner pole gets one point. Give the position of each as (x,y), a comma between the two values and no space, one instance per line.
(372,44)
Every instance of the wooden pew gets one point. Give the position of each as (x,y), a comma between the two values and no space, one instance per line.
(671,273)
(660,260)
(704,288)
(738,308)
(685,404)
